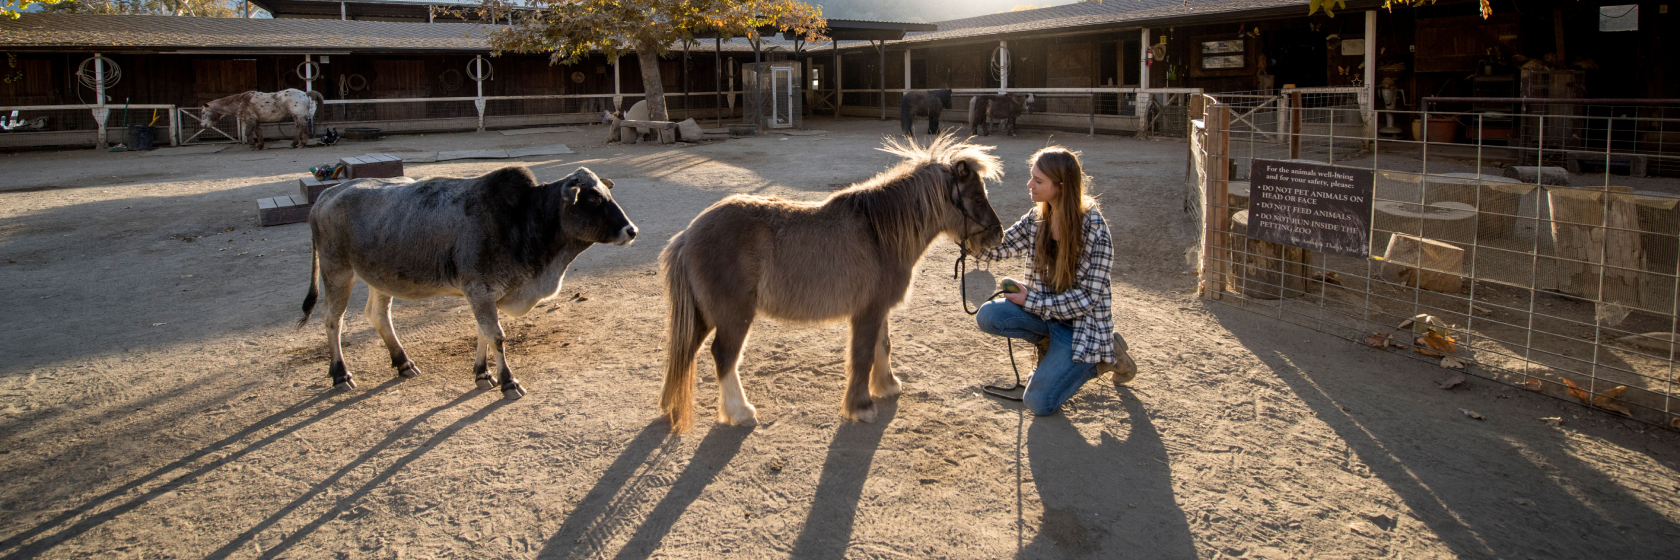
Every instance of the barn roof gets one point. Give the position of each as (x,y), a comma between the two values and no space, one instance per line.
(138,33)
(1081,16)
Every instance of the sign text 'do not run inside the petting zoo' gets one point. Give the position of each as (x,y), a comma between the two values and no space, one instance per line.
(1316,207)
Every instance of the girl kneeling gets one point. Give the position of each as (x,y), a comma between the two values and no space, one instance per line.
(1065,307)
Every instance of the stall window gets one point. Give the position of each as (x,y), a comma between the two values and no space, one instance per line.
(1223,55)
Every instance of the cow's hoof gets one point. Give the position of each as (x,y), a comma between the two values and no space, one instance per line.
(512,391)
(485,383)
(345,385)
(408,370)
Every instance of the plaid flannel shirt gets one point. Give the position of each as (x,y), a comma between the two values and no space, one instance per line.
(1088,304)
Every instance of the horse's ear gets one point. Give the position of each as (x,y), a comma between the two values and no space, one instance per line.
(607,182)
(962,171)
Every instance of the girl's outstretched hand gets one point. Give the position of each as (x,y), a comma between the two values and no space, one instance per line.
(1017,298)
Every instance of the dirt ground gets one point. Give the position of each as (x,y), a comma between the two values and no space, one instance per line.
(156,402)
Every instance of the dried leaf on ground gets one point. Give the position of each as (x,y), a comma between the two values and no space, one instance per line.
(1440,342)
(1421,346)
(1451,381)
(1328,278)
(1607,401)
(1553,420)
(1452,362)
(1424,322)
(1379,340)
(1577,392)
(1534,385)
(1674,422)
(1472,414)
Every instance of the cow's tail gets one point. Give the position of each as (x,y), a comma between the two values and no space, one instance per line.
(314,282)
(977,113)
(687,330)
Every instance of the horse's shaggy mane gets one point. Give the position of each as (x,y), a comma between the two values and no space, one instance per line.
(902,202)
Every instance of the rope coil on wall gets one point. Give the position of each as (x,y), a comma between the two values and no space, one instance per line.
(450,80)
(480,69)
(87,74)
(309,70)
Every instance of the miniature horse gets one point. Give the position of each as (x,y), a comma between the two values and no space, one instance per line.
(253,108)
(923,104)
(985,109)
(849,257)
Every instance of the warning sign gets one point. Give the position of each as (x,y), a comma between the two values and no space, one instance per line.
(1312,206)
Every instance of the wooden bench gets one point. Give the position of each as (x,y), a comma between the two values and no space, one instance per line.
(1637,164)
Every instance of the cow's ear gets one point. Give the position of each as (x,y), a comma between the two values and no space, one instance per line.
(571,192)
(607,182)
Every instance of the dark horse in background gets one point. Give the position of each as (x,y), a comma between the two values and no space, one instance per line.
(923,104)
(986,109)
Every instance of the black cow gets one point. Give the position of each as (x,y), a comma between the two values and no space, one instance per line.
(503,241)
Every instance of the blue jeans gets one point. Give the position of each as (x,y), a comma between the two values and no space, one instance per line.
(1058,377)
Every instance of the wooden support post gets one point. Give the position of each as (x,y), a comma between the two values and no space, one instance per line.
(838,81)
(1215,217)
(1367,94)
(881,51)
(174,126)
(1295,125)
(1142,103)
(906,70)
(717,79)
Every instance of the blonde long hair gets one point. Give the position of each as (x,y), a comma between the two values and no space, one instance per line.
(1059,266)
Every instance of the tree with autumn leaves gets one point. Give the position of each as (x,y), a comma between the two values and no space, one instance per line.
(573,29)
(1329,5)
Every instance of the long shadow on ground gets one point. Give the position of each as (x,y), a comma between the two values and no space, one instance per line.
(1112,499)
(828,527)
(109,508)
(596,518)
(1507,487)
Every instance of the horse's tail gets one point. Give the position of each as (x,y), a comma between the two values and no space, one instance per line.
(977,107)
(906,114)
(318,100)
(314,281)
(686,331)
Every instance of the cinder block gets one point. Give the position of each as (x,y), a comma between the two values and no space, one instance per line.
(311,188)
(373,166)
(282,210)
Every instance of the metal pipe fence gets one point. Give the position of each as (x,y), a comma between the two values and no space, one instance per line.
(452,114)
(1538,275)
(1156,111)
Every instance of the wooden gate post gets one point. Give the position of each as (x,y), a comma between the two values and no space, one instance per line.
(1215,212)
(1295,125)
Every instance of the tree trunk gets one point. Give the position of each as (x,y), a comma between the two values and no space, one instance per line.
(652,83)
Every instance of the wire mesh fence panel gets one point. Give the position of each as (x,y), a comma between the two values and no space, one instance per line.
(1564,280)
(55,126)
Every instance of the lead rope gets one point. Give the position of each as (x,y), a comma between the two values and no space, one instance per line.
(960,272)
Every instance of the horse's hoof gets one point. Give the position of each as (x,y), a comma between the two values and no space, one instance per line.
(866,415)
(408,370)
(345,385)
(485,383)
(512,391)
(890,390)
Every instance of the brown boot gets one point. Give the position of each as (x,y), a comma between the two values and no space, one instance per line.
(1124,369)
